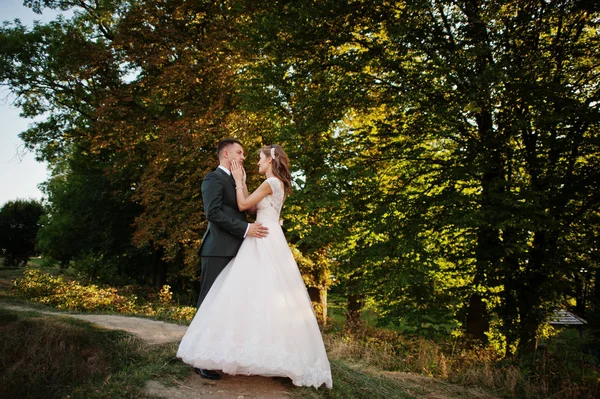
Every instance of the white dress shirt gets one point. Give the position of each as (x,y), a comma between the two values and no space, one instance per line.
(229,174)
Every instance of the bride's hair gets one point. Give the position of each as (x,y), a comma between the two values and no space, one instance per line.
(280,165)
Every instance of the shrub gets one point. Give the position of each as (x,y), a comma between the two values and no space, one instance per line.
(36,284)
(74,296)
(95,268)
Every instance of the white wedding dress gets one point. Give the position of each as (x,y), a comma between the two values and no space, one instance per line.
(257,319)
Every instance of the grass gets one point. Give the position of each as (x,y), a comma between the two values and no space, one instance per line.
(8,274)
(351,382)
(60,357)
(369,363)
(56,357)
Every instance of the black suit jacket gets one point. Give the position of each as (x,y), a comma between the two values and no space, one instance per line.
(226,223)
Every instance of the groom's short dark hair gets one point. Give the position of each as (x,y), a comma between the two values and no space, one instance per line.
(226,143)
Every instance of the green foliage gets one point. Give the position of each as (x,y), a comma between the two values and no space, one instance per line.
(19,224)
(96,268)
(89,221)
(568,352)
(460,151)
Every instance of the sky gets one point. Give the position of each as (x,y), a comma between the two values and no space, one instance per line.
(20,173)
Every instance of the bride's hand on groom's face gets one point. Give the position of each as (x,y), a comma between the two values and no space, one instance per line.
(237,171)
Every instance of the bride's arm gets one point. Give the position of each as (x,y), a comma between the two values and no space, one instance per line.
(252,209)
(246,201)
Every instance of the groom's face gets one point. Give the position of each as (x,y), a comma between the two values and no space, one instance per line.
(235,152)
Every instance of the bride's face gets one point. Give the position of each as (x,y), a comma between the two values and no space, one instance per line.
(263,163)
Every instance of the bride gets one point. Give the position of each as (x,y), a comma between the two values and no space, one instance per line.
(257,318)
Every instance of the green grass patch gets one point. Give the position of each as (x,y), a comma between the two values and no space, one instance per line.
(56,357)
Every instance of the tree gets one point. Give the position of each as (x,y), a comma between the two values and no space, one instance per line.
(293,80)
(89,218)
(512,91)
(19,224)
(139,101)
(490,122)
(445,154)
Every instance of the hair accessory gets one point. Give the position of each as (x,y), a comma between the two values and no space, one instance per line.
(273,152)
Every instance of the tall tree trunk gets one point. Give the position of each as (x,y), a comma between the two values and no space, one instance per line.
(159,272)
(528,327)
(596,291)
(477,323)
(489,251)
(489,149)
(509,313)
(531,310)
(509,310)
(318,297)
(355,301)
(580,295)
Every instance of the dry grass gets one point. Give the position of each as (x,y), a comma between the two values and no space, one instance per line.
(51,357)
(488,375)
(351,381)
(41,356)
(438,389)
(479,371)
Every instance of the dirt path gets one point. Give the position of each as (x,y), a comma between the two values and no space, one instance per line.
(238,387)
(151,331)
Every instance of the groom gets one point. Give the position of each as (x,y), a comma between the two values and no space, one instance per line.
(227,225)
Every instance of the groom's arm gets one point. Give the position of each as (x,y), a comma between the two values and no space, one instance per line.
(212,195)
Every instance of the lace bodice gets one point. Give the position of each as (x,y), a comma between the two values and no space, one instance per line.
(269,208)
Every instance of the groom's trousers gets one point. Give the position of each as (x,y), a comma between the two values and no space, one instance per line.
(211,267)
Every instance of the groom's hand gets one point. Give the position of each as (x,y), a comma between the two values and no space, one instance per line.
(257,230)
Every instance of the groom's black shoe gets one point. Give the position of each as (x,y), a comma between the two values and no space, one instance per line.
(208,374)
